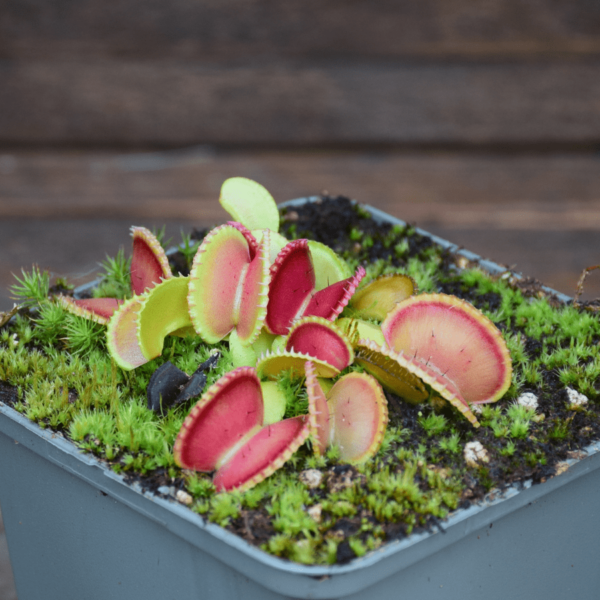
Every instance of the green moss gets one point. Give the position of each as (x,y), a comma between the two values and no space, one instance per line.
(224,507)
(535,458)
(424,274)
(509,449)
(287,508)
(560,430)
(357,546)
(433,424)
(188,248)
(485,479)
(200,485)
(82,336)
(355,234)
(51,323)
(294,391)
(32,287)
(115,281)
(451,444)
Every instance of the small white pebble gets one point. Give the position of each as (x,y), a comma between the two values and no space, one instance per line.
(475,454)
(476,408)
(462,262)
(315,512)
(311,478)
(561,467)
(184,497)
(529,400)
(575,398)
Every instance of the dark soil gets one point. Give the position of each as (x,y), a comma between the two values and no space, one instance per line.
(8,393)
(331,221)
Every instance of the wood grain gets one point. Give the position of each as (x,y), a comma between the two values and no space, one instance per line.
(230,30)
(559,191)
(174,103)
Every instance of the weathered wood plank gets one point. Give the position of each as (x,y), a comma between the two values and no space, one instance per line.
(453,190)
(306,29)
(184,103)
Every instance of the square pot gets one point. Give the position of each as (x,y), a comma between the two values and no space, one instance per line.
(77,530)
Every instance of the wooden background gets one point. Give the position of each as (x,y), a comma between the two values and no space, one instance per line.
(301,72)
(479,121)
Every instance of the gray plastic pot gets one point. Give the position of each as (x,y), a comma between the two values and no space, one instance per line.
(76,530)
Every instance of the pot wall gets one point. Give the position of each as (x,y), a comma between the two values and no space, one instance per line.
(77,530)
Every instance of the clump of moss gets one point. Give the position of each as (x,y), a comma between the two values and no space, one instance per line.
(114,278)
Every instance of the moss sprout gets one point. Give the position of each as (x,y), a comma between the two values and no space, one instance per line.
(355,234)
(433,424)
(292,387)
(82,336)
(115,280)
(50,325)
(32,287)
(509,449)
(224,507)
(188,248)
(451,444)
(425,274)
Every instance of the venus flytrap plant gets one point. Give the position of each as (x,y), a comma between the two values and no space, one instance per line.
(445,343)
(224,432)
(381,295)
(149,265)
(137,331)
(310,338)
(228,284)
(352,416)
(32,288)
(293,293)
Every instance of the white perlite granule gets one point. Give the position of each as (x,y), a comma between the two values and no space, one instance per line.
(529,400)
(311,478)
(184,497)
(575,398)
(315,512)
(475,454)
